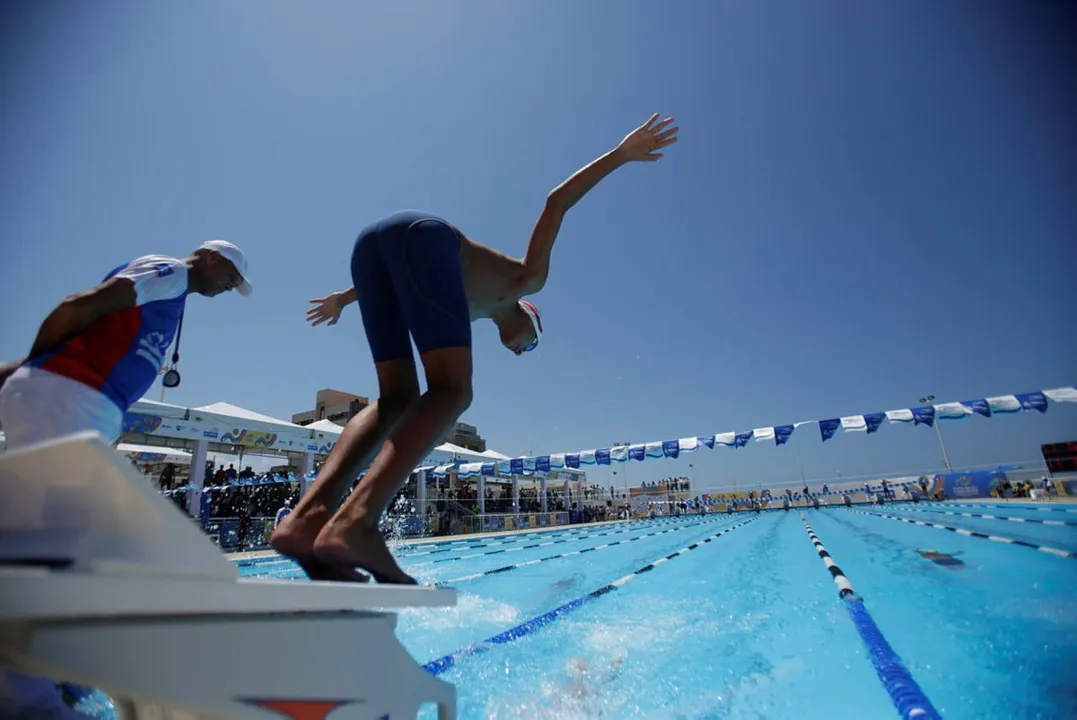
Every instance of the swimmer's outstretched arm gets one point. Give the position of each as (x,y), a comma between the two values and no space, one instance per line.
(330,307)
(642,144)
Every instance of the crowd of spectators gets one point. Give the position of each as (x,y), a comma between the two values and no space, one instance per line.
(669,485)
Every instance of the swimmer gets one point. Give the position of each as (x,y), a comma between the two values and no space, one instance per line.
(947,560)
(567,583)
(583,683)
(415,276)
(581,692)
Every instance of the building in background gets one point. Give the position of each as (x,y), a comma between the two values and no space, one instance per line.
(332,405)
(340,407)
(466,436)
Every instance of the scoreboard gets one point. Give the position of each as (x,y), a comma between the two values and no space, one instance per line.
(1060,457)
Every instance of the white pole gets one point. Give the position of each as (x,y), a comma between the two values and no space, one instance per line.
(945,455)
(938,432)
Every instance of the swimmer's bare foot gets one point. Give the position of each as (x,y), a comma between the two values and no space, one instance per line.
(294,539)
(318,570)
(295,535)
(360,547)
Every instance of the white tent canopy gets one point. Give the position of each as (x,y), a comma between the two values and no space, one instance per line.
(228,410)
(326,426)
(219,421)
(461,452)
(155,453)
(160,409)
(443,452)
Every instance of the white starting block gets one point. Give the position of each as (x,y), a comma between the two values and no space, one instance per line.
(105,583)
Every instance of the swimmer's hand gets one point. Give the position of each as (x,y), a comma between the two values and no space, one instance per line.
(329,307)
(643,143)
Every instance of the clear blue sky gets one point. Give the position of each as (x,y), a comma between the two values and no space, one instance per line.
(869,202)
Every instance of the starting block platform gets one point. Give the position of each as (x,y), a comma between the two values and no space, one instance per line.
(107,584)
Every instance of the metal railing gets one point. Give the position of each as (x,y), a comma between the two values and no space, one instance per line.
(236,534)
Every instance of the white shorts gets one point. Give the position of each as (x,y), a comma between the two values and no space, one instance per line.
(37,405)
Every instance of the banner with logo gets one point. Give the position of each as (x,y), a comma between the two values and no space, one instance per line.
(199,428)
(977,484)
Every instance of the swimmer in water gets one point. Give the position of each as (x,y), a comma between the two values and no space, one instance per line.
(580,693)
(583,683)
(416,277)
(945,559)
(567,583)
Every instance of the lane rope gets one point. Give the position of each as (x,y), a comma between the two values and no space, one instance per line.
(907,697)
(985,516)
(404,550)
(572,553)
(626,526)
(972,533)
(479,542)
(284,565)
(1018,505)
(441,664)
(547,543)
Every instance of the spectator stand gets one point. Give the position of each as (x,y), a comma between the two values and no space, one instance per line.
(220,428)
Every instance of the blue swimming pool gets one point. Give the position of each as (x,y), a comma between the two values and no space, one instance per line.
(745,621)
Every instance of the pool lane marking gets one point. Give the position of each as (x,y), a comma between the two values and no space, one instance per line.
(845,588)
(564,536)
(535,545)
(571,553)
(441,664)
(458,544)
(908,699)
(405,556)
(553,531)
(985,516)
(1018,505)
(264,564)
(972,533)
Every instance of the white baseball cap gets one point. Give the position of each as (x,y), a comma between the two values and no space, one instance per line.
(234,255)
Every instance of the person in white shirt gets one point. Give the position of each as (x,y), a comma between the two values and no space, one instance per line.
(99,351)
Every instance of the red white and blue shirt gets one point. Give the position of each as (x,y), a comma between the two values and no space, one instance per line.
(121,354)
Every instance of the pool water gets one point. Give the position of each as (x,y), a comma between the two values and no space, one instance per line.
(750,624)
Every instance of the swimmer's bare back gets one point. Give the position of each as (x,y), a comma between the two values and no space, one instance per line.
(492,279)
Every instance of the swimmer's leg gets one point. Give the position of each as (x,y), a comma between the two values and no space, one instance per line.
(398,385)
(362,437)
(429,284)
(351,537)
